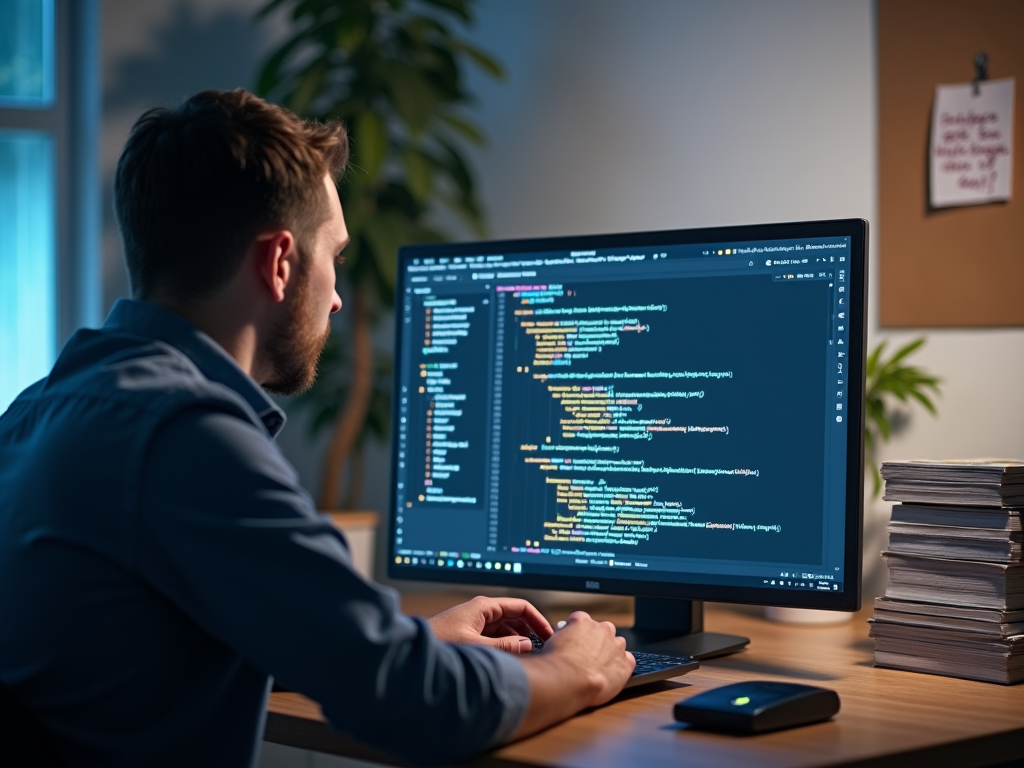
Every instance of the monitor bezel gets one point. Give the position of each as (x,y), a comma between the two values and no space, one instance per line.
(847,600)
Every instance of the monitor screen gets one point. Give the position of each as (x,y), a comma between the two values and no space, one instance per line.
(671,414)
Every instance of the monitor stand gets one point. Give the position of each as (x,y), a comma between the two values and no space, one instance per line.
(676,628)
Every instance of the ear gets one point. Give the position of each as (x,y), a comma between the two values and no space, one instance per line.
(275,262)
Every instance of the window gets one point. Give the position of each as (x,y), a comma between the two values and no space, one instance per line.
(49,217)
(26,53)
(27,281)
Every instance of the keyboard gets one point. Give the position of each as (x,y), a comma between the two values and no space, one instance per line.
(650,667)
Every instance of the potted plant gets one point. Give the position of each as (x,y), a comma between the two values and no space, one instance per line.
(393,72)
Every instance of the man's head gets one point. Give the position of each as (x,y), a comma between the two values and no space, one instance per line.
(226,179)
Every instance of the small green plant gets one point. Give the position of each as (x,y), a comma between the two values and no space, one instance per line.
(888,378)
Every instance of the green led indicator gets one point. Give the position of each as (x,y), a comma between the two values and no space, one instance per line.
(740,701)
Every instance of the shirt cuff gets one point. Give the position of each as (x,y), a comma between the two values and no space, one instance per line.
(514,691)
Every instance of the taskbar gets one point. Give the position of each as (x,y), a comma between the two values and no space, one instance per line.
(486,571)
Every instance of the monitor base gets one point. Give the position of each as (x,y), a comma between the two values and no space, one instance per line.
(676,628)
(697,645)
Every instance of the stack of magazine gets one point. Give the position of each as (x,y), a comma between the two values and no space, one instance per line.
(955,601)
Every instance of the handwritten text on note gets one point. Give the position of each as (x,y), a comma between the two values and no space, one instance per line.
(972,143)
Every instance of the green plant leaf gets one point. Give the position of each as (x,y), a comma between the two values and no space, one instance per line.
(310,83)
(413,97)
(385,232)
(464,128)
(872,361)
(419,173)
(348,38)
(924,400)
(270,76)
(426,27)
(481,59)
(267,9)
(370,145)
(396,197)
(352,26)
(469,214)
(465,203)
(884,425)
(458,7)
(314,8)
(438,65)
(421,234)
(451,160)
(906,349)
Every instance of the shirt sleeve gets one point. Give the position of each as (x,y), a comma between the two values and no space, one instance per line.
(226,533)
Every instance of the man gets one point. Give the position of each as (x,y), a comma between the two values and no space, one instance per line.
(159,560)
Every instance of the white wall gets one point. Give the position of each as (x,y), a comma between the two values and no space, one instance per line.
(653,114)
(650,115)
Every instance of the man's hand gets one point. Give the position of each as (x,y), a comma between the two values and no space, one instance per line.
(583,665)
(598,655)
(504,623)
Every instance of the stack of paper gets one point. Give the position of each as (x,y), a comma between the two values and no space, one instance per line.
(955,602)
(962,542)
(987,482)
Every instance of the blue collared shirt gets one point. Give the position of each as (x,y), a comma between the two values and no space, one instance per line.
(159,561)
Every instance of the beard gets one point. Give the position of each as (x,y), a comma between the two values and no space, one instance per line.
(294,346)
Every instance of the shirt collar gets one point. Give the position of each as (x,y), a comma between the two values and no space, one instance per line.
(144,319)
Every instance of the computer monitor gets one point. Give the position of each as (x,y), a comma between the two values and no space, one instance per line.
(675,415)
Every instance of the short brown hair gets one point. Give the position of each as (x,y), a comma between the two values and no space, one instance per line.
(195,185)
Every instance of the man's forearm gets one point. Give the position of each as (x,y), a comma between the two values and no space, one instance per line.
(557,691)
(583,665)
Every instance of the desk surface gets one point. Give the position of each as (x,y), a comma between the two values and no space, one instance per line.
(888,717)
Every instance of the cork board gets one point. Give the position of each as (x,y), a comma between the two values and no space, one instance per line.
(949,267)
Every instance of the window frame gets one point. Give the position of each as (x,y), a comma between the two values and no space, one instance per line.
(72,120)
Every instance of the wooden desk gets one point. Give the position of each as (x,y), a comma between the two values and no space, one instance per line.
(887,717)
